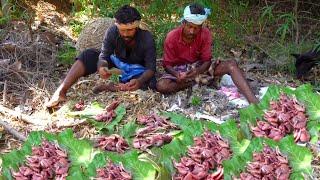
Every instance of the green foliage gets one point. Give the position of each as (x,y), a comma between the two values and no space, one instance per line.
(84,10)
(129,129)
(161,16)
(266,18)
(178,146)
(158,162)
(299,157)
(115,78)
(304,95)
(196,101)
(76,27)
(67,54)
(13,10)
(80,152)
(267,13)
(4,20)
(286,27)
(130,160)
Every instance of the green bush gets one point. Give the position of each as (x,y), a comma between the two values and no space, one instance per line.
(67,54)
(196,101)
(230,22)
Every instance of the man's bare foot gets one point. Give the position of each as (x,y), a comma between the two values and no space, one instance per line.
(55,100)
(105,87)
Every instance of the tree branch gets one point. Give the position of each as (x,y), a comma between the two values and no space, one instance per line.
(21,116)
(12,131)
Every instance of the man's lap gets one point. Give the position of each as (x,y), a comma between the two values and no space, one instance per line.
(207,76)
(90,58)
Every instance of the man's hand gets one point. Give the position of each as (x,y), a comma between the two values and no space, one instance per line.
(132,85)
(218,61)
(122,87)
(181,76)
(192,74)
(104,74)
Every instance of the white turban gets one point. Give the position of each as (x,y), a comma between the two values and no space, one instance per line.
(197,19)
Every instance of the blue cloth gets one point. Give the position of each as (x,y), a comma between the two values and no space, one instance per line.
(128,70)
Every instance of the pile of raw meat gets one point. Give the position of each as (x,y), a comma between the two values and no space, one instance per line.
(79,106)
(206,154)
(109,113)
(155,132)
(113,142)
(284,117)
(269,164)
(113,172)
(46,162)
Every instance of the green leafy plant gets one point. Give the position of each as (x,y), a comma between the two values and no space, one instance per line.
(299,157)
(266,17)
(304,94)
(14,10)
(287,25)
(267,13)
(196,101)
(80,152)
(67,54)
(76,27)
(157,164)
(130,160)
(115,78)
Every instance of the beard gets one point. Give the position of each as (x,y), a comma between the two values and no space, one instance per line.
(128,38)
(190,36)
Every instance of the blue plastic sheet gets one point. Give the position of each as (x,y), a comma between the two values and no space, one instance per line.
(128,70)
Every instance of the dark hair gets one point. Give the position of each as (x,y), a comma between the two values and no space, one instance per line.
(197,9)
(127,14)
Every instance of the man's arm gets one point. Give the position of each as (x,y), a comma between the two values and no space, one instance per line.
(169,57)
(135,84)
(149,59)
(150,64)
(199,70)
(146,76)
(170,70)
(107,47)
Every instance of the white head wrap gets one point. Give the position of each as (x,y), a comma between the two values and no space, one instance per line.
(132,25)
(197,19)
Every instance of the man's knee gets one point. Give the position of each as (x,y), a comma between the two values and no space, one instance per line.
(163,86)
(232,65)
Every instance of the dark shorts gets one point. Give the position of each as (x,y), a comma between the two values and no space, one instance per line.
(90,58)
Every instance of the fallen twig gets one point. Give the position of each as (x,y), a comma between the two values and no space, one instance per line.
(12,131)
(4,94)
(21,116)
